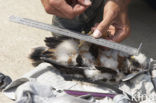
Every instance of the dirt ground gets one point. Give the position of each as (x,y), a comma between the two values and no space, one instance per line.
(16,41)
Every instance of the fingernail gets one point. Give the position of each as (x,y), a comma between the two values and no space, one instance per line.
(87,2)
(96,34)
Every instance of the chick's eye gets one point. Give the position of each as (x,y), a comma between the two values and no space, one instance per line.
(79,60)
(133,61)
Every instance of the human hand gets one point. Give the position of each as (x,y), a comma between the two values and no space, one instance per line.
(66,8)
(115,20)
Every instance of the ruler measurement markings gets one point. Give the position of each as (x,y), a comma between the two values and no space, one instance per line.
(48,27)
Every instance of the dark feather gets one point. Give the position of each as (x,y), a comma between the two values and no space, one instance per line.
(76,69)
(64,68)
(79,60)
(106,70)
(36,54)
(94,50)
(52,42)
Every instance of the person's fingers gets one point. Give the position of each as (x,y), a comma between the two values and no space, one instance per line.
(108,18)
(58,13)
(81,6)
(122,27)
(94,27)
(110,12)
(86,3)
(111,30)
(72,2)
(65,9)
(46,5)
(78,9)
(121,33)
(69,11)
(103,26)
(50,9)
(62,8)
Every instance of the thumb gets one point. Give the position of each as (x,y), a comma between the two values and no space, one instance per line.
(109,15)
(85,2)
(103,26)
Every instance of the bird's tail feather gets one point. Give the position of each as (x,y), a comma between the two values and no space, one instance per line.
(36,55)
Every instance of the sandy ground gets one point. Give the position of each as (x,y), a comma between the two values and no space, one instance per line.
(18,40)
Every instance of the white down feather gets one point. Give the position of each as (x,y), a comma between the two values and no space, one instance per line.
(65,50)
(141,58)
(109,59)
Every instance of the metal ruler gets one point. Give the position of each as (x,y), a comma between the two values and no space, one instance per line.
(64,32)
